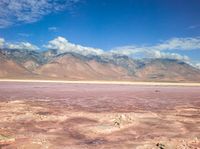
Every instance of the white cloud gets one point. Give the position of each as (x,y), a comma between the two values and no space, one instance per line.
(154,51)
(197,65)
(179,44)
(53,28)
(14,12)
(18,45)
(163,50)
(146,52)
(194,26)
(63,45)
(21,46)
(2,41)
(126,50)
(166,55)
(172,44)
(194,64)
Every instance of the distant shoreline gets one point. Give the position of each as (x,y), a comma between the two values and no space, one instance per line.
(103,82)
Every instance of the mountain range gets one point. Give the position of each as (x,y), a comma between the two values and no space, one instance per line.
(50,64)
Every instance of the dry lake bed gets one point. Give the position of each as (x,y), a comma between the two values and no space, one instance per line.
(100,116)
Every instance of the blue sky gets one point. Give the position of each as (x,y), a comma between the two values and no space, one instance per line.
(105,24)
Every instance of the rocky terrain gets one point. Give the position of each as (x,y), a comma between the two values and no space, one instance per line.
(77,116)
(72,66)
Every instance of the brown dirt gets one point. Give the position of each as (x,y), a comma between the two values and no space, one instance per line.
(87,116)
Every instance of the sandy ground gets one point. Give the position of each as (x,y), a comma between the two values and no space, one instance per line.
(39,115)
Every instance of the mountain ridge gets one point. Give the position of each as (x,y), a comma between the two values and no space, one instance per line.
(74,66)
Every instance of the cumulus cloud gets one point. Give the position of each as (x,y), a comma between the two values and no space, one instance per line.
(179,44)
(14,12)
(63,45)
(166,55)
(146,52)
(161,50)
(17,45)
(172,44)
(127,50)
(21,46)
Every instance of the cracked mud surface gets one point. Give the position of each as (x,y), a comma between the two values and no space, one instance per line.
(87,116)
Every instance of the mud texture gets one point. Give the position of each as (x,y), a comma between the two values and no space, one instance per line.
(87,116)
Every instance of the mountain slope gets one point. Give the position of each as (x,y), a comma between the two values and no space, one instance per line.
(9,68)
(71,66)
(27,58)
(168,70)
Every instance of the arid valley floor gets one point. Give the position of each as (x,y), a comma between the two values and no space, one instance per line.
(102,116)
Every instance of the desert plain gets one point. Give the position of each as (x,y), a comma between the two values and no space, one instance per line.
(56,115)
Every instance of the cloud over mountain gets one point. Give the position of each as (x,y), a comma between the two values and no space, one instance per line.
(63,45)
(127,50)
(166,55)
(18,45)
(161,50)
(22,46)
(179,44)
(14,12)
(197,65)
(155,51)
